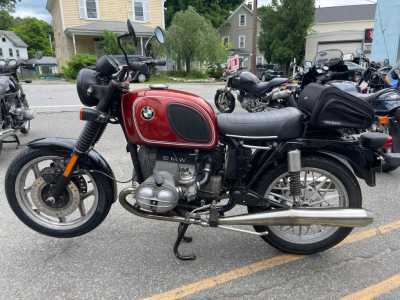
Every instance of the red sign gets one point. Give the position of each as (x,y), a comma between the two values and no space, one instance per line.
(233,64)
(369,36)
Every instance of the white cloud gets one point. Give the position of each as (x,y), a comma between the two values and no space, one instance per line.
(23,13)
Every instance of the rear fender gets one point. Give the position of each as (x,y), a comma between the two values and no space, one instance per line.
(92,160)
(360,161)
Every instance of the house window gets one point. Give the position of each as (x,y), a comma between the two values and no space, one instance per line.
(250,5)
(89,9)
(3,39)
(242,41)
(17,51)
(140,10)
(11,52)
(1,52)
(226,40)
(242,20)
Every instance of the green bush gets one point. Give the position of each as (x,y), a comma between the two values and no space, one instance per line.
(77,63)
(215,71)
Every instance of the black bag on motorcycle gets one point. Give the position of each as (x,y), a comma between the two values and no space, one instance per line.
(329,107)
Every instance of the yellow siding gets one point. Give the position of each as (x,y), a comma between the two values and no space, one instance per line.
(109,10)
(113,10)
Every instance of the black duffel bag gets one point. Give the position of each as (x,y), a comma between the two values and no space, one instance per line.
(330,107)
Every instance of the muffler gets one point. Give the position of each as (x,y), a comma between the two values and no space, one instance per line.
(338,217)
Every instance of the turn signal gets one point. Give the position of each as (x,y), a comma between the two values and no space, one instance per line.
(384,120)
(389,143)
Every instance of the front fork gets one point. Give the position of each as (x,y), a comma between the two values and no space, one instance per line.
(88,138)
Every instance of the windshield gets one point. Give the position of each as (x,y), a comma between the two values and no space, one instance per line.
(326,57)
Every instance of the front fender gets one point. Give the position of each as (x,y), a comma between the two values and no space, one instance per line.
(92,160)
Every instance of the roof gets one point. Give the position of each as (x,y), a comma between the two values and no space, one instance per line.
(15,39)
(345,13)
(98,28)
(244,5)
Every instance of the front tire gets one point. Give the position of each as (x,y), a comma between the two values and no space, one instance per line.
(224,101)
(79,216)
(337,177)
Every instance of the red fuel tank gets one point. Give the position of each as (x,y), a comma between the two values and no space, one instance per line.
(169,118)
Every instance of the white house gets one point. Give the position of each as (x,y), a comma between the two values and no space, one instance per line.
(341,27)
(12,46)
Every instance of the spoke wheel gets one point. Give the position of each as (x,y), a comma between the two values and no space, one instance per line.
(325,183)
(83,205)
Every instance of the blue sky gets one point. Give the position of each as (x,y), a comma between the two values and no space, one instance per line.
(37,8)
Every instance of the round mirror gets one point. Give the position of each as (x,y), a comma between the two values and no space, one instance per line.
(132,32)
(160,35)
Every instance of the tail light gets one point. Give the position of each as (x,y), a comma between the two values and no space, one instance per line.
(385,120)
(388,144)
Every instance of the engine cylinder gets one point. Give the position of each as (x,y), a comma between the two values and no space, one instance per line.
(158,193)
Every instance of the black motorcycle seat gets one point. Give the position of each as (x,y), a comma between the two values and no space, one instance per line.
(261,88)
(370,98)
(373,140)
(280,124)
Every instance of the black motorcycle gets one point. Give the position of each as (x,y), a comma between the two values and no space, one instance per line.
(15,114)
(254,95)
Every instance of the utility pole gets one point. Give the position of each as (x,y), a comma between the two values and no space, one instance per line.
(254,52)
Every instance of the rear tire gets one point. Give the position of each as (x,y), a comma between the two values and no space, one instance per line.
(99,213)
(338,171)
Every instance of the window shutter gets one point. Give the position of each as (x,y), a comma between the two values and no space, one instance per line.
(82,9)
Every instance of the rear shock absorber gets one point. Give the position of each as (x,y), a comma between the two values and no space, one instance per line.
(294,162)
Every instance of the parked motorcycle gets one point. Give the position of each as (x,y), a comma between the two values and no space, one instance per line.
(15,114)
(294,171)
(253,95)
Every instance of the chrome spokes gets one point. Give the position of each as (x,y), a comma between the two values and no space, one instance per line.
(319,189)
(79,206)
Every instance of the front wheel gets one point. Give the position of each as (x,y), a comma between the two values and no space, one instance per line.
(82,206)
(325,183)
(224,101)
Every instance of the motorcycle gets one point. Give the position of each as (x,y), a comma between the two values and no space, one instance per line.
(254,95)
(15,114)
(294,171)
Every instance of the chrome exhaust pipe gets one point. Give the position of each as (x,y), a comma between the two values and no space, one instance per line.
(338,217)
(6,133)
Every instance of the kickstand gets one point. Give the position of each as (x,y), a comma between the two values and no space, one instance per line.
(181,237)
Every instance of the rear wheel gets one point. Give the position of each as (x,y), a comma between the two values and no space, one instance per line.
(325,183)
(83,205)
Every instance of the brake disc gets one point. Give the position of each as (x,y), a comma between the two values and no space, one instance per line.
(65,205)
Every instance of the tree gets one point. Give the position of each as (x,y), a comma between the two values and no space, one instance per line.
(36,34)
(285,24)
(110,43)
(192,38)
(8,4)
(6,20)
(216,11)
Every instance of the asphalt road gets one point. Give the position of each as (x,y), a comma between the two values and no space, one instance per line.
(131,258)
